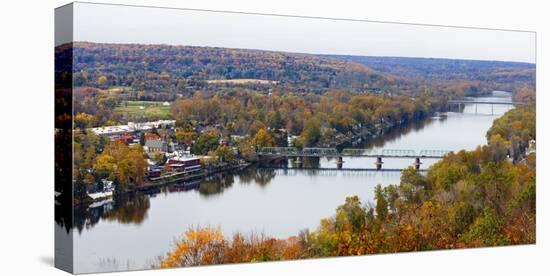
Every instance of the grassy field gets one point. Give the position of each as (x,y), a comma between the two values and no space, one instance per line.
(143,109)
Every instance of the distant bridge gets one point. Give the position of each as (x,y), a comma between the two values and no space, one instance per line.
(298,155)
(333,152)
(484,102)
(459,103)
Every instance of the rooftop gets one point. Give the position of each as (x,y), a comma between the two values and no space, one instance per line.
(131,127)
(153,143)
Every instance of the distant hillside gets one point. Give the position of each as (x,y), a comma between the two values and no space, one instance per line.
(160,72)
(164,68)
(500,74)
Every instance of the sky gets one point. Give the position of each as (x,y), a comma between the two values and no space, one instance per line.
(145,25)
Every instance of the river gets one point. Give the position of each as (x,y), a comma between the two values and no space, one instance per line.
(130,234)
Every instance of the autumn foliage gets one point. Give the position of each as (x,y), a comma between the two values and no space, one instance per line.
(206,246)
(468,199)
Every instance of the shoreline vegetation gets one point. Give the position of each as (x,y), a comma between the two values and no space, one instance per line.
(238,165)
(228,129)
(183,177)
(225,110)
(469,199)
(181,113)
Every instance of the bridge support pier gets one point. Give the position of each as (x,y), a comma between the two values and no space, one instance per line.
(379,163)
(417,163)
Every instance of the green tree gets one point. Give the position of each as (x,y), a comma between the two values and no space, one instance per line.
(486,231)
(206,142)
(412,176)
(445,175)
(499,147)
(353,213)
(311,133)
(381,203)
(225,153)
(276,120)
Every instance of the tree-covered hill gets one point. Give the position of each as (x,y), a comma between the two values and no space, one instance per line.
(165,68)
(493,75)
(162,71)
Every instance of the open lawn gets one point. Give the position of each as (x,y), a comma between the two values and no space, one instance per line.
(131,110)
(115,90)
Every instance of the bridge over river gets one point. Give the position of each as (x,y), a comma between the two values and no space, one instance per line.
(460,103)
(298,155)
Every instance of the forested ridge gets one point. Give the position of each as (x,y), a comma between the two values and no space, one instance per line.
(107,75)
(165,68)
(163,71)
(469,199)
(482,75)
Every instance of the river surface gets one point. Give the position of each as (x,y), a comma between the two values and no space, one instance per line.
(130,234)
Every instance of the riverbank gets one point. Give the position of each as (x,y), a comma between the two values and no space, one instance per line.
(369,134)
(179,177)
(252,200)
(182,176)
(159,182)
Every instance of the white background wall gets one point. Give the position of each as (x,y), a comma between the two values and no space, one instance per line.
(26,136)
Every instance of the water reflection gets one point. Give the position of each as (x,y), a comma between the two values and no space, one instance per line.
(64,212)
(215,184)
(260,176)
(259,199)
(125,209)
(132,208)
(393,134)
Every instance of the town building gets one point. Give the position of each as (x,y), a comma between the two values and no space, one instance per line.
(155,145)
(184,163)
(115,132)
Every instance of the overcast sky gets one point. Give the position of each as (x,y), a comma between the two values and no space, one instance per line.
(126,24)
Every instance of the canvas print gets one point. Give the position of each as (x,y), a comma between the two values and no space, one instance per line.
(192,137)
